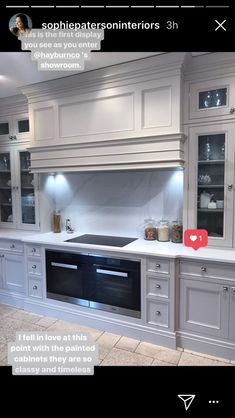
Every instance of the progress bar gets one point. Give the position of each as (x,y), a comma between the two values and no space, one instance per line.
(101,6)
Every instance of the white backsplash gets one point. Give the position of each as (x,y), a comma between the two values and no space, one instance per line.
(116,202)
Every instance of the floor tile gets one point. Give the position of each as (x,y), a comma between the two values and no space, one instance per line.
(192,360)
(126,343)
(26,316)
(157,362)
(159,352)
(8,310)
(117,357)
(108,340)
(224,360)
(46,322)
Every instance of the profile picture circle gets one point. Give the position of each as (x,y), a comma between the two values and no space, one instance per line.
(20,24)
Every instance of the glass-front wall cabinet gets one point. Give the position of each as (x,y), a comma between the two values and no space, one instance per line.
(6,209)
(211,181)
(18,197)
(27,192)
(210,188)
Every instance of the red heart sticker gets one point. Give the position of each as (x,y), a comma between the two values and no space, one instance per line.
(195,238)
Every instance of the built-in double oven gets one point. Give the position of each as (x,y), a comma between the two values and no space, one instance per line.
(98,282)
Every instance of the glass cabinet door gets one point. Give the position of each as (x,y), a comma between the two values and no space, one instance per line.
(211,180)
(6,212)
(27,190)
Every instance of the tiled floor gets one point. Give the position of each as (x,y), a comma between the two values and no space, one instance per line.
(114,350)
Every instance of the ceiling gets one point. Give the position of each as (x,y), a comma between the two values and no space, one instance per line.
(17,69)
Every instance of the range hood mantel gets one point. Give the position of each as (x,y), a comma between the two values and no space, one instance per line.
(124,117)
(166,151)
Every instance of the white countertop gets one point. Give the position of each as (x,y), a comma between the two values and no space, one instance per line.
(138,247)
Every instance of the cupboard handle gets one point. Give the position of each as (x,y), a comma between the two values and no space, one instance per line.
(158,286)
(232,110)
(35,287)
(230,187)
(158,313)
(225,288)
(203,269)
(233,290)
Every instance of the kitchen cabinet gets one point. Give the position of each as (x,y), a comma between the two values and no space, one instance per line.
(211,168)
(211,99)
(14,128)
(207,299)
(18,190)
(159,293)
(34,271)
(232,313)
(12,273)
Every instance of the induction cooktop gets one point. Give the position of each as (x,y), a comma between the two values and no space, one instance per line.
(102,240)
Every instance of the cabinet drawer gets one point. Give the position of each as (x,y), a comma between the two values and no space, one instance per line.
(34,250)
(158,313)
(157,287)
(207,269)
(34,267)
(35,288)
(158,265)
(11,245)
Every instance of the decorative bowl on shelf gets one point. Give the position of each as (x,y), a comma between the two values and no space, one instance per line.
(204,179)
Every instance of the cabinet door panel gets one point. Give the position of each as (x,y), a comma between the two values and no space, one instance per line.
(232,314)
(211,169)
(14,273)
(204,308)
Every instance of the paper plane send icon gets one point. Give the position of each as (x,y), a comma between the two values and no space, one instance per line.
(187,399)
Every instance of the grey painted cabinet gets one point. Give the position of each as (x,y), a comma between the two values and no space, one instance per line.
(210,184)
(232,313)
(12,276)
(204,307)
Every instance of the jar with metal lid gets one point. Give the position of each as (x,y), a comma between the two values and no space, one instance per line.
(177,232)
(150,230)
(163,231)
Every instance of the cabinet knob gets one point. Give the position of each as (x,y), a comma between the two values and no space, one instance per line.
(203,269)
(233,290)
(35,287)
(158,266)
(34,266)
(11,137)
(158,286)
(158,313)
(12,246)
(225,288)
(230,187)
(232,110)
(33,250)
(1,255)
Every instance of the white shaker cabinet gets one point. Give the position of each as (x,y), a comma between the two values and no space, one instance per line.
(207,299)
(210,99)
(12,270)
(211,168)
(14,128)
(18,190)
(204,308)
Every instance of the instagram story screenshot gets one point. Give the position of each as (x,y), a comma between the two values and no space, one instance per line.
(117,200)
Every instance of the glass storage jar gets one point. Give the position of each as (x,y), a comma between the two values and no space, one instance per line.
(150,230)
(163,231)
(177,231)
(56,218)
